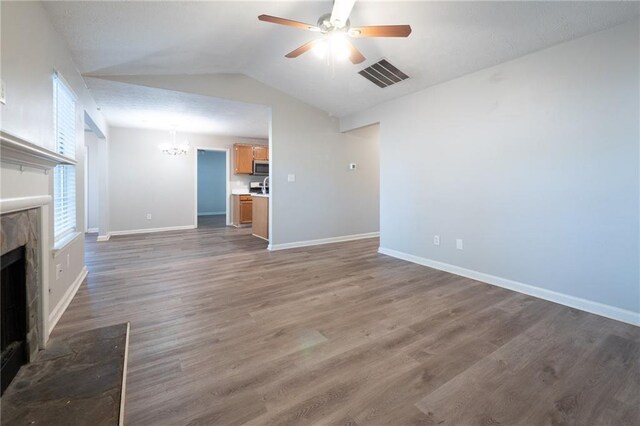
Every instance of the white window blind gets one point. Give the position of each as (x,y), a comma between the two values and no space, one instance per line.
(64,177)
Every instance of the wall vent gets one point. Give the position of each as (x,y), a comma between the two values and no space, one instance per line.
(383,74)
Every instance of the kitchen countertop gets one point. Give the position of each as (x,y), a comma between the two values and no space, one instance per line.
(246,192)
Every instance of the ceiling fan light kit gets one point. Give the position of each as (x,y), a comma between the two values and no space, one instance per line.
(335,46)
(336,29)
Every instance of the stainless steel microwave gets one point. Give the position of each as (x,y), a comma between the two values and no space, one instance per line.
(261,168)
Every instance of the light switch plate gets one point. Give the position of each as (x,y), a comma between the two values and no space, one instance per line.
(291,178)
(459,245)
(352,166)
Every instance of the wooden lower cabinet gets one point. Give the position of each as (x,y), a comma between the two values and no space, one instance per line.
(260,226)
(242,206)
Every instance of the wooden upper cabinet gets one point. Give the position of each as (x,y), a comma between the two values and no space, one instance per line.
(243,159)
(261,152)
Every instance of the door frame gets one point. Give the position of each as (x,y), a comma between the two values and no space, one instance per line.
(227,176)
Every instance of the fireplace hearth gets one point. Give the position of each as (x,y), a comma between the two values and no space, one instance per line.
(13,314)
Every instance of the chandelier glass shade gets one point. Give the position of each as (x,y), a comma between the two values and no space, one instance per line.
(175,148)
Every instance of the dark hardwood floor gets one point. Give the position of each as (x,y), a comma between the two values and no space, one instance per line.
(212,221)
(224,332)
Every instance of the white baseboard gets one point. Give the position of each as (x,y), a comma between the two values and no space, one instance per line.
(212,213)
(150,230)
(103,237)
(92,230)
(308,243)
(597,308)
(62,306)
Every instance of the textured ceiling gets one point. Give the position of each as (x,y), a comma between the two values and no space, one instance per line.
(127,105)
(449,39)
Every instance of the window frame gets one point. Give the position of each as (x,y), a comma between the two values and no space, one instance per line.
(65,195)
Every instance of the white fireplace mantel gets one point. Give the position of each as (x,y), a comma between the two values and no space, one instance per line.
(10,205)
(17,151)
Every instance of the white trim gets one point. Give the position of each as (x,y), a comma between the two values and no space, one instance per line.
(597,308)
(62,306)
(59,76)
(17,151)
(45,273)
(102,238)
(150,230)
(63,242)
(212,213)
(124,376)
(86,184)
(10,205)
(93,230)
(308,243)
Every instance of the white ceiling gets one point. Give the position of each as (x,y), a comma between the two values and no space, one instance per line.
(449,39)
(127,105)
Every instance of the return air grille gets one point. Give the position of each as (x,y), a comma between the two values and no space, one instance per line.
(383,74)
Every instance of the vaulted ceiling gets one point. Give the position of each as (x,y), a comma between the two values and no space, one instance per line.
(449,39)
(128,105)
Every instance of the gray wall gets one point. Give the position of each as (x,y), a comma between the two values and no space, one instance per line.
(304,141)
(212,182)
(533,163)
(92,180)
(143,179)
(28,113)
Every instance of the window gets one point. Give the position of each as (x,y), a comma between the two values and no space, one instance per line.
(64,177)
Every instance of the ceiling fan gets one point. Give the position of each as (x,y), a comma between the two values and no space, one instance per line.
(336,29)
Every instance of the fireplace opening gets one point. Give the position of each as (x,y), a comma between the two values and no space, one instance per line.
(13,314)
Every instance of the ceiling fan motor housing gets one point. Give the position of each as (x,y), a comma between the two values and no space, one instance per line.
(326,26)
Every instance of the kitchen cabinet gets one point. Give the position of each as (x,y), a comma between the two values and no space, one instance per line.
(244,154)
(243,159)
(260,225)
(261,152)
(242,210)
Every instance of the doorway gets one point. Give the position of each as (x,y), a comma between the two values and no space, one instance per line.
(211,188)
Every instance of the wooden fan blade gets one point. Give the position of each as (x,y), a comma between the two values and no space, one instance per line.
(288,22)
(381,31)
(302,49)
(355,57)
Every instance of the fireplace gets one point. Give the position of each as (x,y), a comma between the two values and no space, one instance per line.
(25,225)
(21,290)
(13,314)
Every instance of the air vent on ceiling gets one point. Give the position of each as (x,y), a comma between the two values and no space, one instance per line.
(383,74)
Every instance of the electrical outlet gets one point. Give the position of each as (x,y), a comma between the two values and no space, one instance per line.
(436,240)
(148,216)
(58,271)
(291,178)
(459,244)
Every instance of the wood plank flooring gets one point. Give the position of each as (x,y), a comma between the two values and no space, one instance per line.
(224,332)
